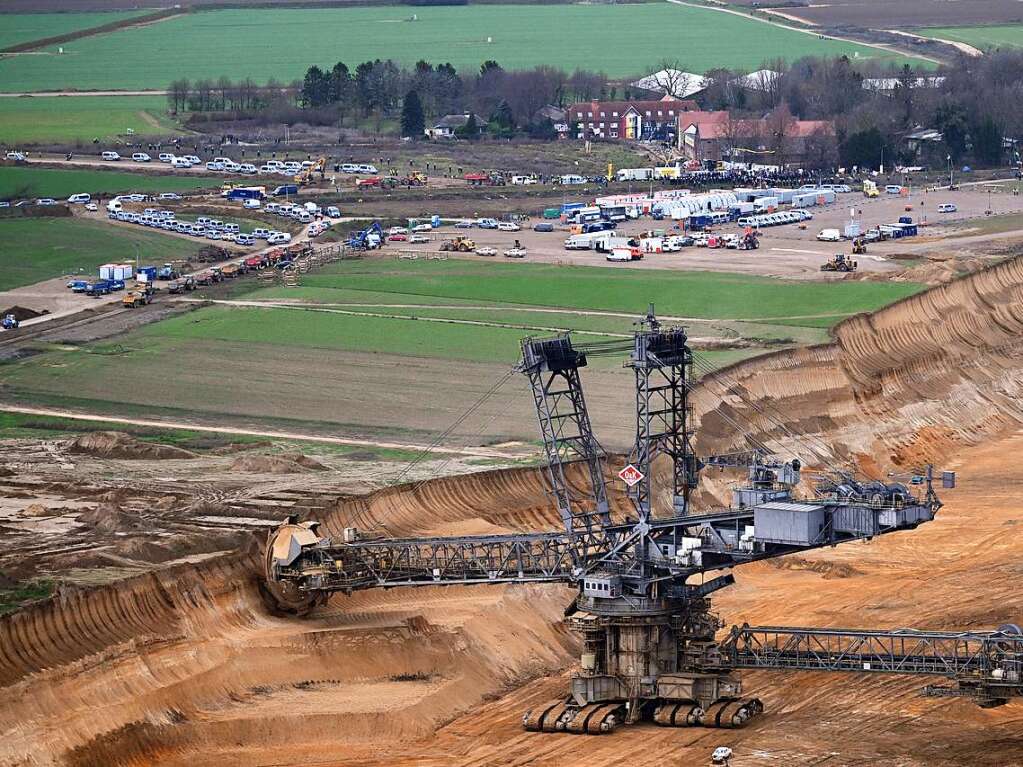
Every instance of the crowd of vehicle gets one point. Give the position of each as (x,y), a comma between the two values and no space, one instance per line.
(202,226)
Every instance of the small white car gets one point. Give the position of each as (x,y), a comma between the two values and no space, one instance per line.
(486,250)
(169,196)
(333,212)
(418,239)
(508,226)
(92,207)
(16,156)
(947,207)
(465,223)
(423,228)
(397,230)
(46,201)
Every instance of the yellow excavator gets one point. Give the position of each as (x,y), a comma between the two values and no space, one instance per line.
(306,176)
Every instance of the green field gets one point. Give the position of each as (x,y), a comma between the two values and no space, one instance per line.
(685,294)
(74,119)
(1007,36)
(333,366)
(621,40)
(20,28)
(16,182)
(44,248)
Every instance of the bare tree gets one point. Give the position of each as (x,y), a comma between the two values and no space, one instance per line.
(672,80)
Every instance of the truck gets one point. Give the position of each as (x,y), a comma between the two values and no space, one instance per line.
(247,193)
(285,190)
(870,189)
(167,272)
(146,274)
(634,174)
(99,288)
(587,241)
(138,296)
(625,254)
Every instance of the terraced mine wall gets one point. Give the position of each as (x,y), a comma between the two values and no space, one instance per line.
(904,385)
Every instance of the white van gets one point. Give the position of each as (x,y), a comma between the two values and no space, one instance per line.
(829,235)
(110,156)
(114,206)
(349,168)
(80,198)
(947,207)
(333,212)
(141,157)
(165,157)
(180,162)
(250,204)
(370,169)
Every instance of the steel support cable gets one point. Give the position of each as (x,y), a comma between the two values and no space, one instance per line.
(799,437)
(709,372)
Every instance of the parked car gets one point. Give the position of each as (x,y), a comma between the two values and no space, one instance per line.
(418,239)
(829,235)
(165,157)
(47,201)
(947,207)
(515,253)
(141,157)
(486,223)
(423,228)
(16,156)
(91,207)
(508,226)
(543,226)
(397,237)
(486,250)
(169,196)
(465,223)
(181,162)
(333,212)
(79,199)
(110,156)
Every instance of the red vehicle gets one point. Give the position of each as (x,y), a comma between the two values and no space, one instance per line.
(256,262)
(397,237)
(368,182)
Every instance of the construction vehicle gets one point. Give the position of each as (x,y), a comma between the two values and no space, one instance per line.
(168,272)
(870,189)
(459,244)
(369,182)
(306,176)
(750,240)
(840,263)
(369,238)
(182,285)
(140,295)
(415,178)
(643,580)
(859,246)
(10,322)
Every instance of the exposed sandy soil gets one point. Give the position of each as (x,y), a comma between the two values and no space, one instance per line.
(184,665)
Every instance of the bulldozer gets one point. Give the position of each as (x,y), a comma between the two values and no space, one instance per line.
(859,246)
(459,245)
(840,263)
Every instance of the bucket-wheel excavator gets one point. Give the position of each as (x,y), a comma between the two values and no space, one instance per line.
(651,645)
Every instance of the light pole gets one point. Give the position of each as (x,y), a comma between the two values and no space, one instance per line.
(949,158)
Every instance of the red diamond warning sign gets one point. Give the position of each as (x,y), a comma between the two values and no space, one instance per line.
(631,475)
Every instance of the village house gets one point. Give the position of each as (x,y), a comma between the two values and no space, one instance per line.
(627,120)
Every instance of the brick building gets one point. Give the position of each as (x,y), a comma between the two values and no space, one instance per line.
(627,120)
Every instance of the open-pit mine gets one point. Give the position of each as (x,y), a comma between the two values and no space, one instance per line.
(811,557)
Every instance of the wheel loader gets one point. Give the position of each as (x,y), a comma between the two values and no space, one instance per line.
(859,246)
(840,263)
(459,245)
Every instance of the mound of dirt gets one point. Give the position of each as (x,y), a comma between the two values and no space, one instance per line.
(240,447)
(21,313)
(284,463)
(117,444)
(37,510)
(110,518)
